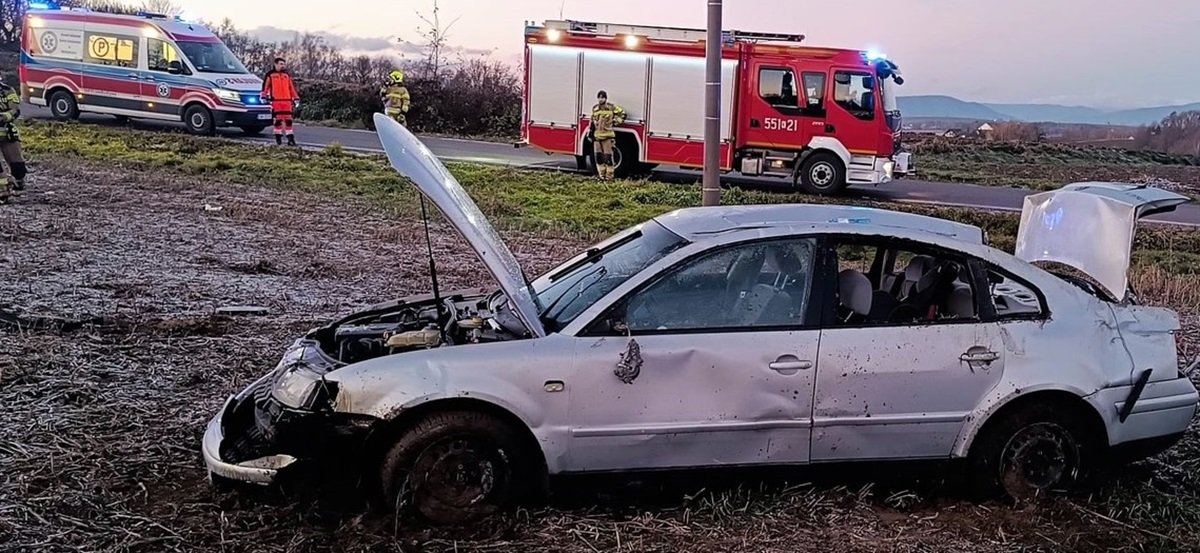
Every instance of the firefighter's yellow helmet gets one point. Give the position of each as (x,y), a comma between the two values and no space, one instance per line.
(396,76)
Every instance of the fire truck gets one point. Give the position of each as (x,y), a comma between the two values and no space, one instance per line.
(823,117)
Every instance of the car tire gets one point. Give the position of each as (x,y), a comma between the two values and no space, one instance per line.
(63,106)
(253,130)
(822,174)
(456,467)
(1035,450)
(199,120)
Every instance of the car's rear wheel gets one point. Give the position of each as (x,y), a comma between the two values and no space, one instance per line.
(456,467)
(1034,450)
(63,106)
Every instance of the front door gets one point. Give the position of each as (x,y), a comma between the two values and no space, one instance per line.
(854,112)
(159,90)
(906,357)
(785,107)
(713,363)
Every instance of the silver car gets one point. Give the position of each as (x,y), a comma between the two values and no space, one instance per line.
(734,336)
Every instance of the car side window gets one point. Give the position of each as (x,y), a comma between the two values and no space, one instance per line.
(1012,299)
(777,87)
(890,284)
(756,285)
(855,92)
(160,54)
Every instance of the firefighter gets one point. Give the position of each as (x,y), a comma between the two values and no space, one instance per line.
(605,117)
(10,141)
(280,91)
(395,97)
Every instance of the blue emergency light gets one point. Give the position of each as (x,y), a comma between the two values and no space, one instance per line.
(43,6)
(875,55)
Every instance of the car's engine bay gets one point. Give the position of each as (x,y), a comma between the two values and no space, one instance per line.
(420,323)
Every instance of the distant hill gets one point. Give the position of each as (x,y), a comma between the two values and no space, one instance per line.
(947,107)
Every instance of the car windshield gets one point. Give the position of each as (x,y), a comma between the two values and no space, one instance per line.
(212,57)
(568,290)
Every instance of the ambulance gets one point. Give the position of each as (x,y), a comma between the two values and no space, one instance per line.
(142,66)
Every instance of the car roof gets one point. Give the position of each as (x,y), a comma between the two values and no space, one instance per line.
(700,222)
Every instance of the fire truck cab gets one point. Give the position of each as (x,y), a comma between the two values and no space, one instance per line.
(823,117)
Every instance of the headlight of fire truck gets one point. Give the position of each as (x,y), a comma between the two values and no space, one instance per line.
(227,95)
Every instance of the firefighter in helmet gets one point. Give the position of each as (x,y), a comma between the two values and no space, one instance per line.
(395,97)
(605,117)
(10,142)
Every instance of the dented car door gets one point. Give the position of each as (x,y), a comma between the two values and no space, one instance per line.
(712,363)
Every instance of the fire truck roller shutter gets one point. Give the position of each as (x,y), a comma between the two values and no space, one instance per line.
(677,97)
(553,94)
(622,75)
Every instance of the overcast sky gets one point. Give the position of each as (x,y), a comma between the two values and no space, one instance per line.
(1103,53)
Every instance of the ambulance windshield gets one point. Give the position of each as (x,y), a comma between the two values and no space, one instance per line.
(211,57)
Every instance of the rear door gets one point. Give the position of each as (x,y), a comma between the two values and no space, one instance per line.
(902,364)
(784,105)
(854,114)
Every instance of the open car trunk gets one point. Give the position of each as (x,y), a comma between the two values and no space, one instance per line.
(1090,226)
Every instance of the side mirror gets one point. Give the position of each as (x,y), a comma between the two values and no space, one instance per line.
(175,67)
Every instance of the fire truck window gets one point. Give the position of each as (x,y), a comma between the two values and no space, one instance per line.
(814,91)
(855,92)
(161,54)
(778,87)
(116,50)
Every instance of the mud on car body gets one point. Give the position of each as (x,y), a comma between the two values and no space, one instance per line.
(733,336)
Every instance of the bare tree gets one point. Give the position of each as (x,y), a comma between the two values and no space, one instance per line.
(435,39)
(166,7)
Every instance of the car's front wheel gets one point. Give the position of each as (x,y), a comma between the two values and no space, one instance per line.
(456,467)
(1032,451)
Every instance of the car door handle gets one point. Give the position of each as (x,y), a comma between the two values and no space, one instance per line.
(790,364)
(979,357)
(133,75)
(149,78)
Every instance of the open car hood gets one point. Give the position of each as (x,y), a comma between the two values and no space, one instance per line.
(1090,226)
(414,161)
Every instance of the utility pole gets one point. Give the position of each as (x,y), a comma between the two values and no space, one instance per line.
(711,187)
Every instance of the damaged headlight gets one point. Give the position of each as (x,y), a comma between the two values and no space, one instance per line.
(295,385)
(300,377)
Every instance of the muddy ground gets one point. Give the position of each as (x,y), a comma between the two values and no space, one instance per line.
(99,444)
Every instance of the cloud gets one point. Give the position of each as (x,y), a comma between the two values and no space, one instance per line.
(359,44)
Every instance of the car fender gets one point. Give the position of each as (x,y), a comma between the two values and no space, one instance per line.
(997,399)
(831,144)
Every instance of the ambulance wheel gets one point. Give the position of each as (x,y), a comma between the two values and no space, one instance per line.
(199,120)
(63,106)
(254,130)
(822,174)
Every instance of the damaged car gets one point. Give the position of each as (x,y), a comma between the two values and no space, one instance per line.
(734,336)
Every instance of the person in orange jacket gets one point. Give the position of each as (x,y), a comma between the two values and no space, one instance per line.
(280,91)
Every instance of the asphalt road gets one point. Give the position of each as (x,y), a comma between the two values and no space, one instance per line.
(453,149)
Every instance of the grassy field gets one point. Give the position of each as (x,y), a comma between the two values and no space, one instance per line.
(1044,166)
(547,202)
(117,218)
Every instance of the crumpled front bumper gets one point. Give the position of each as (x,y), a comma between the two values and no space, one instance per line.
(263,470)
(255,439)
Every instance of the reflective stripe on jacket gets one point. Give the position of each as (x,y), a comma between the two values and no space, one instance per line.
(606,117)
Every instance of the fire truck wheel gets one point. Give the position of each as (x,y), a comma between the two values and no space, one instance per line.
(822,174)
(63,106)
(199,120)
(625,157)
(583,163)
